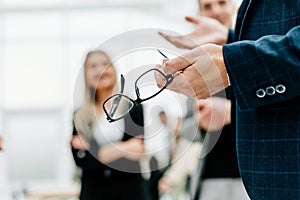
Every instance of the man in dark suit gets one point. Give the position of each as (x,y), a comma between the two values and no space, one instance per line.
(261,63)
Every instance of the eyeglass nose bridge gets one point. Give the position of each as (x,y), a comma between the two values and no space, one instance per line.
(170,77)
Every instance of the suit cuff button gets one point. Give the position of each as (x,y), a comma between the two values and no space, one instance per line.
(107,173)
(80,154)
(260,93)
(280,88)
(270,90)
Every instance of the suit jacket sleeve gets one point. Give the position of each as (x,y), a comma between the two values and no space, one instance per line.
(267,62)
(231,35)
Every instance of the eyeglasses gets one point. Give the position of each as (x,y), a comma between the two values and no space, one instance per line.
(119,105)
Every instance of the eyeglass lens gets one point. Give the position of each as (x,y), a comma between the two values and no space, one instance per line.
(118,106)
(147,83)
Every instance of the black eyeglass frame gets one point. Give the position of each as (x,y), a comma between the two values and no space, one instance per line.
(169,78)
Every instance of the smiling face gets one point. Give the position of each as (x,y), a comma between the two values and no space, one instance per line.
(99,72)
(221,10)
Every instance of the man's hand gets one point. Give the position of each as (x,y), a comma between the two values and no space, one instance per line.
(203,72)
(213,113)
(207,30)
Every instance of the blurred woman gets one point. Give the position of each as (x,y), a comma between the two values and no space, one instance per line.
(107,153)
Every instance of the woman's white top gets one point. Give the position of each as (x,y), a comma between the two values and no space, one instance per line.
(107,133)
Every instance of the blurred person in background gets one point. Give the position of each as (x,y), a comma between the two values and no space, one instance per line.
(174,182)
(220,169)
(161,160)
(107,153)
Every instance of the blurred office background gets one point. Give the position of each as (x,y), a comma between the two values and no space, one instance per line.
(42,47)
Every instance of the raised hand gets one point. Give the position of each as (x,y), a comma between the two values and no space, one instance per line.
(207,30)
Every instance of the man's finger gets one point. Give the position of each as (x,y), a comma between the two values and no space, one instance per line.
(166,36)
(175,40)
(180,63)
(192,20)
(181,84)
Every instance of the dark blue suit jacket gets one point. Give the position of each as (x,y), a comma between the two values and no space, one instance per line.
(263,63)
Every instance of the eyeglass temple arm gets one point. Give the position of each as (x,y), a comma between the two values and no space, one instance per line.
(162,54)
(170,76)
(116,101)
(122,83)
